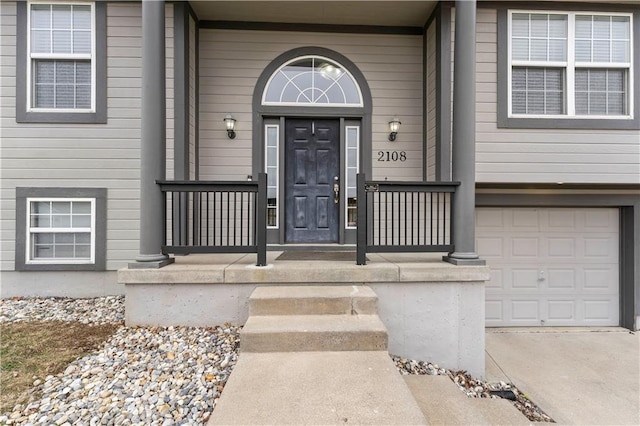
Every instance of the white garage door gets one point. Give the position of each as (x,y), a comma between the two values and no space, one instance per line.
(555,267)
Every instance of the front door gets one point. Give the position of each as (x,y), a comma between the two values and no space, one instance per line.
(312,170)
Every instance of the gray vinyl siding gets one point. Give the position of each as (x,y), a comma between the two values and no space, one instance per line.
(169,66)
(231,62)
(431,101)
(192,99)
(542,155)
(79,155)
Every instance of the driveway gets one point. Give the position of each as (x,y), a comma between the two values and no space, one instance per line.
(577,376)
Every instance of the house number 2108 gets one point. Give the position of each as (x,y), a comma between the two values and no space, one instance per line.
(392,156)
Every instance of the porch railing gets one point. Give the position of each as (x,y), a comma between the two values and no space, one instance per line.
(404,217)
(216,217)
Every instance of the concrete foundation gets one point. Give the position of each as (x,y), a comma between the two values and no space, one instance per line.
(76,284)
(433,311)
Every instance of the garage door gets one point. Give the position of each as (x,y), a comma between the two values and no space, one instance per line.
(555,267)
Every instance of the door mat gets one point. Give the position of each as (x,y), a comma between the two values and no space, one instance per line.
(329,256)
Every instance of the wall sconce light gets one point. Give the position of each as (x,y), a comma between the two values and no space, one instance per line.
(394,126)
(230,123)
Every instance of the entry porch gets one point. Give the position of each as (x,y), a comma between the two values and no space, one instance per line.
(432,309)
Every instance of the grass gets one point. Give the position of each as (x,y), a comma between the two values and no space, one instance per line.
(31,351)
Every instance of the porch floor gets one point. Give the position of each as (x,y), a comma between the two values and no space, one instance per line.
(229,268)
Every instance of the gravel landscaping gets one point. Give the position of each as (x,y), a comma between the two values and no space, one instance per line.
(155,375)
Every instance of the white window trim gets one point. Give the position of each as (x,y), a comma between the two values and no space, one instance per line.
(71,56)
(266,150)
(570,66)
(346,171)
(33,230)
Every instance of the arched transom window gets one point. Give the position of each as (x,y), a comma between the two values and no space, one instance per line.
(312,81)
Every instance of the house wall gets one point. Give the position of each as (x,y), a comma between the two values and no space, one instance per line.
(192,99)
(431,103)
(231,62)
(541,155)
(80,155)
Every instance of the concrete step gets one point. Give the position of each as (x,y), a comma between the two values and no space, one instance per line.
(296,333)
(316,388)
(442,403)
(313,300)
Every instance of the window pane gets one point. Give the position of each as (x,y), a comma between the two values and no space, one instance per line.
(535,79)
(520,25)
(582,80)
(41,41)
(583,50)
(615,104)
(601,51)
(83,221)
(83,251)
(64,72)
(62,41)
(63,251)
(597,80)
(83,238)
(539,50)
(42,246)
(60,221)
(83,97)
(620,51)
(81,207)
(557,50)
(535,103)
(43,96)
(583,26)
(604,92)
(554,103)
(598,103)
(83,72)
(61,16)
(520,49)
(620,27)
(558,26)
(61,207)
(64,238)
(81,17)
(40,221)
(539,25)
(44,71)
(81,42)
(40,16)
(313,81)
(582,103)
(65,97)
(538,91)
(601,27)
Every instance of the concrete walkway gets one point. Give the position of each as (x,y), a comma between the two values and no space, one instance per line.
(316,388)
(577,376)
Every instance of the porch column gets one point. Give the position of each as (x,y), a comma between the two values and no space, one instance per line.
(153,143)
(464,135)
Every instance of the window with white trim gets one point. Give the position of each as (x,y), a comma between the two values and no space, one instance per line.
(570,64)
(272,137)
(312,81)
(60,231)
(61,57)
(352,166)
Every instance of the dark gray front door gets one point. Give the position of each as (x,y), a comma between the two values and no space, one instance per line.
(312,164)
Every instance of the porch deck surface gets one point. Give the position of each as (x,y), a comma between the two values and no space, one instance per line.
(232,268)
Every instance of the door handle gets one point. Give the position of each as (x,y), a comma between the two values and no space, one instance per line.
(336,190)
